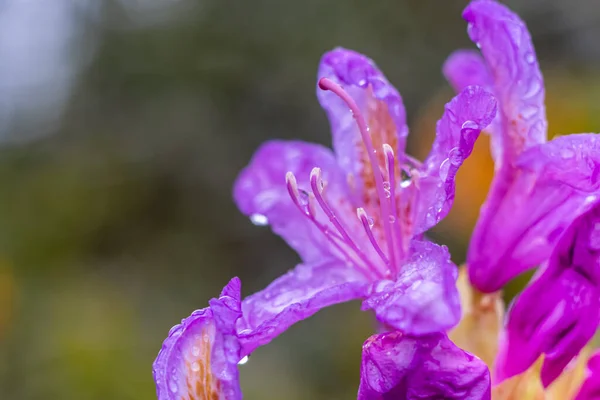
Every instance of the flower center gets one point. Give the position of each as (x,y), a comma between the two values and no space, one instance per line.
(389,226)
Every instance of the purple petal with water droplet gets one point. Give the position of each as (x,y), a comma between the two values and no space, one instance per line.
(424,298)
(464,118)
(199,357)
(519,225)
(397,366)
(260,190)
(559,312)
(295,296)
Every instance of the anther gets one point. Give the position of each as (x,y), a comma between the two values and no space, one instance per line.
(366,223)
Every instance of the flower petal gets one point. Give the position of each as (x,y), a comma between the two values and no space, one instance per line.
(382,107)
(295,296)
(467,67)
(198,360)
(556,182)
(559,312)
(395,366)
(424,297)
(518,83)
(590,389)
(260,192)
(464,118)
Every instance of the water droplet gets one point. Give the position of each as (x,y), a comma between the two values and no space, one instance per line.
(530,58)
(195,367)
(205,338)
(392,219)
(386,185)
(444,168)
(528,111)
(473,32)
(567,153)
(303,197)
(455,156)
(195,351)
(358,75)
(370,221)
(469,125)
(173,386)
(451,116)
(387,193)
(243,360)
(259,219)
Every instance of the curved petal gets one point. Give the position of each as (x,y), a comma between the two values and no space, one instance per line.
(295,296)
(395,366)
(464,117)
(379,102)
(260,192)
(198,360)
(590,389)
(424,297)
(559,312)
(467,67)
(518,83)
(556,182)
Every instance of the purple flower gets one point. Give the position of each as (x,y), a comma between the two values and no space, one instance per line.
(199,358)
(356,215)
(539,187)
(395,366)
(559,312)
(539,190)
(590,389)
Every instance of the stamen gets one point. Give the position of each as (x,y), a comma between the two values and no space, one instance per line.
(309,211)
(362,216)
(327,84)
(391,175)
(317,187)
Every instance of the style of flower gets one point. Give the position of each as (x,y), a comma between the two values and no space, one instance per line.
(541,208)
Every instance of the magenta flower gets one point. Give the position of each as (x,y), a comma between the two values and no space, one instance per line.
(356,216)
(559,312)
(539,190)
(395,366)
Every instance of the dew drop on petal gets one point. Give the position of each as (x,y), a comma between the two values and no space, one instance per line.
(173,386)
(195,351)
(243,360)
(469,125)
(371,222)
(530,58)
(195,367)
(528,111)
(387,193)
(444,168)
(259,219)
(392,219)
(567,153)
(455,156)
(386,185)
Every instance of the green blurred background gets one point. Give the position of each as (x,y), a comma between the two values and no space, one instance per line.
(123,125)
